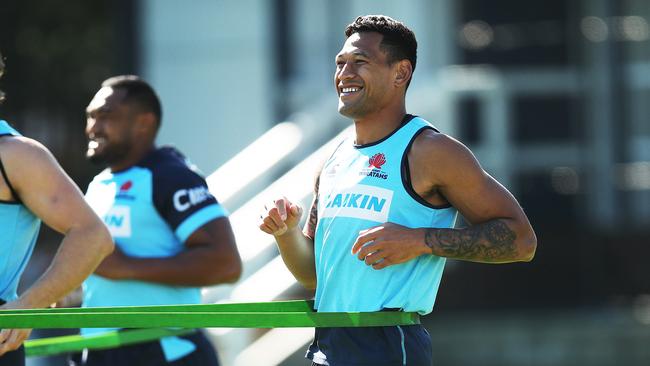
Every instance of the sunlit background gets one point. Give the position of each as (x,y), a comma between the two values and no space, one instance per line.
(552,96)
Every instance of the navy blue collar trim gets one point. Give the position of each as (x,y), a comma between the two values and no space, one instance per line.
(407,118)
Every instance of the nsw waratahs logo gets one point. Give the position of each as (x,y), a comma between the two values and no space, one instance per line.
(377,160)
(124,190)
(375,163)
(126,186)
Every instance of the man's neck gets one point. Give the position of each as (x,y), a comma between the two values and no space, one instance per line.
(138,155)
(377,125)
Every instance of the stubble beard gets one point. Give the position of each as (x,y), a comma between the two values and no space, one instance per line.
(355,110)
(110,155)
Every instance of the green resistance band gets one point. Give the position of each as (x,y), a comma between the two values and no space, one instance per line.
(281,314)
(277,314)
(76,343)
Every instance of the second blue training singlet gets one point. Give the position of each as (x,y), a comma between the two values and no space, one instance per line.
(362,186)
(150,210)
(19,229)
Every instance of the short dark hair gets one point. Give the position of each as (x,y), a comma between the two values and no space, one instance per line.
(138,93)
(398,42)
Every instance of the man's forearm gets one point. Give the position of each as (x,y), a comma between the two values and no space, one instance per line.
(494,241)
(297,251)
(195,267)
(80,252)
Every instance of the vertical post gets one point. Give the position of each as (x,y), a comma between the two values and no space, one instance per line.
(599,107)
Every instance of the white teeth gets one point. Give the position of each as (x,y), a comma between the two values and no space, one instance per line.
(349,90)
(94,143)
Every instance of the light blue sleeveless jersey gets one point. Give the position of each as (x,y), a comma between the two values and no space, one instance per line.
(150,210)
(18,231)
(361,187)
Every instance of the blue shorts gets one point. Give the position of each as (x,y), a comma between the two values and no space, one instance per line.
(378,346)
(148,354)
(13,358)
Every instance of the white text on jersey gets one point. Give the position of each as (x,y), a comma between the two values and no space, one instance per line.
(186,198)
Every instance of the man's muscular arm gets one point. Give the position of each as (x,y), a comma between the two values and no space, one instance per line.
(52,196)
(499,231)
(210,257)
(491,242)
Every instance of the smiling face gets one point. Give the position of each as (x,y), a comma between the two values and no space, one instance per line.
(364,79)
(109,127)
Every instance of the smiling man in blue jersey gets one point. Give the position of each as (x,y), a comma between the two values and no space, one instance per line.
(171,234)
(381,224)
(34,188)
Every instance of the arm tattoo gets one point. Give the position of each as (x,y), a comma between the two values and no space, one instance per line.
(313,213)
(492,241)
(313,219)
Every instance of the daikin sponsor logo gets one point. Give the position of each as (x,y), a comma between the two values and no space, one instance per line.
(118,221)
(361,202)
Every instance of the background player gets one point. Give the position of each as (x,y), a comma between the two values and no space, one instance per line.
(171,235)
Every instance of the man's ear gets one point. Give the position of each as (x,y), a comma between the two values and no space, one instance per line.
(146,122)
(403,72)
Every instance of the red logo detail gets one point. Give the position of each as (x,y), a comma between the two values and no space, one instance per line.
(377,160)
(126,186)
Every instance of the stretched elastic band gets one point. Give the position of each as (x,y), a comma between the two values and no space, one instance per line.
(278,314)
(246,315)
(77,343)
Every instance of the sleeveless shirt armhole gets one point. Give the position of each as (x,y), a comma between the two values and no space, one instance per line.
(406,173)
(11,188)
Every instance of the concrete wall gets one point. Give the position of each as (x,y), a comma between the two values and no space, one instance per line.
(212,63)
(209,61)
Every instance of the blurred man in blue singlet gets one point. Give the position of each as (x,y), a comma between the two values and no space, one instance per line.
(171,235)
(33,187)
(381,224)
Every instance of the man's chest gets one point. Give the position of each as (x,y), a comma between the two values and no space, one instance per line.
(124,203)
(359,186)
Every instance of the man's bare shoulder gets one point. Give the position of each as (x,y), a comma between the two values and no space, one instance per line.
(442,157)
(432,145)
(22,157)
(21,148)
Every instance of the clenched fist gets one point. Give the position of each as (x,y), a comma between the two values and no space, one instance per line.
(280,217)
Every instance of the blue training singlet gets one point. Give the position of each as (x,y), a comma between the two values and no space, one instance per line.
(365,186)
(18,231)
(150,210)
